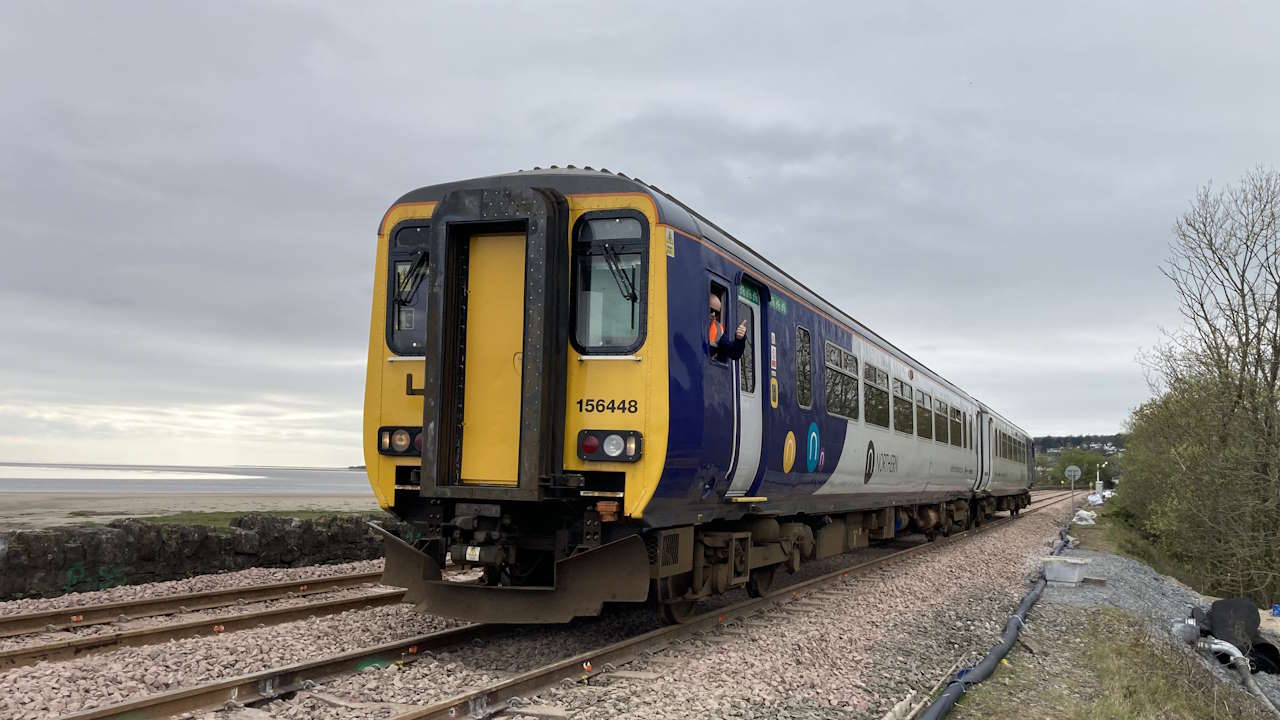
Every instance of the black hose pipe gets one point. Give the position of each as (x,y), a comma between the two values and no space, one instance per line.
(947,700)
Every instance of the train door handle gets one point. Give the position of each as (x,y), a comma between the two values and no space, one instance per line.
(408,386)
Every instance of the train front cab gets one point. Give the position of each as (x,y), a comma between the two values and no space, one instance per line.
(517,418)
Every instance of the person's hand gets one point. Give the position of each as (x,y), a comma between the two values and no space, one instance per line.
(742,330)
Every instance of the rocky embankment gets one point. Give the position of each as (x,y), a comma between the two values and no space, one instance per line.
(53,561)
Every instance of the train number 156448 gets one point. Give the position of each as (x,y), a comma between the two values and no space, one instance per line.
(608,406)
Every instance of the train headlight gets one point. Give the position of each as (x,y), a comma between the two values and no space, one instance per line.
(613,445)
(400,440)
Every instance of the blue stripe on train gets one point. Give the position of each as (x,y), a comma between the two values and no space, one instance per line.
(703,395)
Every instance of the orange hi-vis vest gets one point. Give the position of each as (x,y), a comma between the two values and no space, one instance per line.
(714,333)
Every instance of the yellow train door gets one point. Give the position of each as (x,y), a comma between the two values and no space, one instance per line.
(494,361)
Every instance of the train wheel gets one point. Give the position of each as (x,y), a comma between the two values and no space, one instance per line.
(760,581)
(677,613)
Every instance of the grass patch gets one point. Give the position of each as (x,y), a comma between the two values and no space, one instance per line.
(1114,669)
(223,518)
(1143,677)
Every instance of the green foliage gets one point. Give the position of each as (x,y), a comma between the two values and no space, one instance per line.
(1049,442)
(1089,463)
(1202,469)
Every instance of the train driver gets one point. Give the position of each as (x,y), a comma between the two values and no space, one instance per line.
(722,348)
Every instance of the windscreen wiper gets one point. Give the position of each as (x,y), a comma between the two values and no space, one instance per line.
(411,280)
(625,286)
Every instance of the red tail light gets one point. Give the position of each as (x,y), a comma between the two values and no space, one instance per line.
(590,445)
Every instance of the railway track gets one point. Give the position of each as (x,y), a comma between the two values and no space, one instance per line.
(86,615)
(65,649)
(480,702)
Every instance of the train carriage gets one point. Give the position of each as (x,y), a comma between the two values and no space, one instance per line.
(547,400)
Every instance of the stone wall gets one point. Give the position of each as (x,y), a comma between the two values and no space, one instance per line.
(44,563)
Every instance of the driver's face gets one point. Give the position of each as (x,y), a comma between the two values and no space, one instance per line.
(715,308)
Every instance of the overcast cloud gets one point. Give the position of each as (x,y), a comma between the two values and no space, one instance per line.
(190,191)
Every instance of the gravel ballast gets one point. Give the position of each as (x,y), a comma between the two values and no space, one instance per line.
(1158,599)
(848,650)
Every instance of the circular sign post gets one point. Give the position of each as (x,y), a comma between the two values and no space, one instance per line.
(1073,474)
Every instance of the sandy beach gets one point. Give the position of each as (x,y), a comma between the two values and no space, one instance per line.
(36,510)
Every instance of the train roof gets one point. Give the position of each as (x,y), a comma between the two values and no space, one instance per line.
(571,180)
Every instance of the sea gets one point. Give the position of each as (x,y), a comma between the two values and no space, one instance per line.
(181,479)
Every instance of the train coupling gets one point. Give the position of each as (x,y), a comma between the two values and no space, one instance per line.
(617,571)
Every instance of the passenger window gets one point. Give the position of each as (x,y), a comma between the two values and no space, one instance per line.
(841,380)
(609,285)
(875,394)
(940,421)
(902,407)
(747,364)
(956,430)
(924,415)
(804,369)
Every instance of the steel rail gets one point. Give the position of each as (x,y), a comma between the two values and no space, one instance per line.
(84,645)
(82,615)
(271,683)
(488,700)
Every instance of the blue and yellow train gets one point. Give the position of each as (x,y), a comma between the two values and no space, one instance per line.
(558,397)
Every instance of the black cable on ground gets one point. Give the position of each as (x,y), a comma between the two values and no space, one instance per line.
(947,700)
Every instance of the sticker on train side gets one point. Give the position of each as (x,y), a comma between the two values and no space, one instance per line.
(598,405)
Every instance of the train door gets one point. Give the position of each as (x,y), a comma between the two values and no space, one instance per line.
(985,436)
(495,337)
(750,392)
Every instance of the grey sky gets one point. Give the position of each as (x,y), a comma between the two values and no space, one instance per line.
(190,191)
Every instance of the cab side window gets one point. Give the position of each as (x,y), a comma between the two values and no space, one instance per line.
(714,326)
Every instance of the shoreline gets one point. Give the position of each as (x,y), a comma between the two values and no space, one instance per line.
(25,510)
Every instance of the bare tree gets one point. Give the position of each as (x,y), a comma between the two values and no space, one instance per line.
(1215,434)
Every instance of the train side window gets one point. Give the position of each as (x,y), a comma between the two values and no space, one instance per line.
(609,284)
(804,368)
(406,291)
(717,319)
(747,364)
(841,380)
(956,431)
(968,440)
(875,394)
(924,415)
(940,421)
(902,407)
